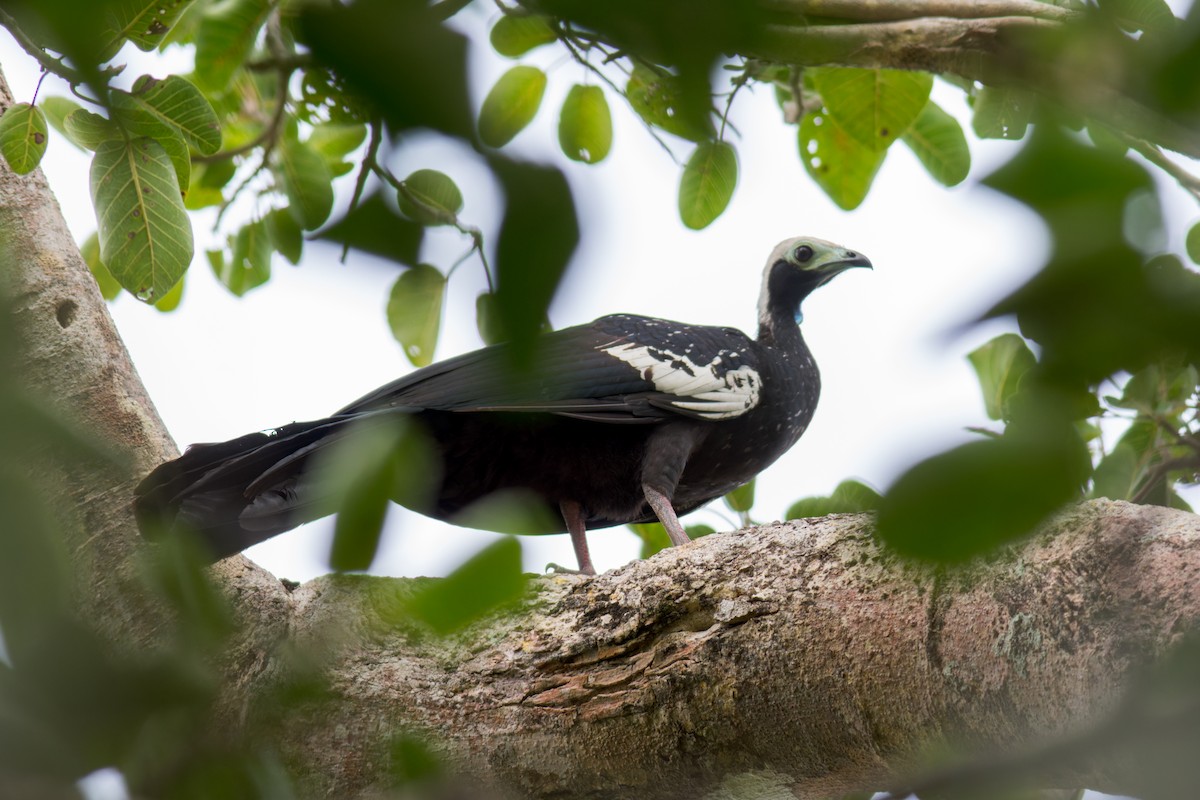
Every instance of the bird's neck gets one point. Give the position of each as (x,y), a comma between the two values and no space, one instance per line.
(780,328)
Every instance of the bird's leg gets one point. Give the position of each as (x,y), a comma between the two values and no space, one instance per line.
(573,515)
(666,515)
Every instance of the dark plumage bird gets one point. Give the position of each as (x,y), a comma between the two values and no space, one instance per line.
(625,419)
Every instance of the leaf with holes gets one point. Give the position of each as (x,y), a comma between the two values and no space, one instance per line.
(145,233)
(875,106)
(23,135)
(999,365)
(658,99)
(585,125)
(143,22)
(938,142)
(414,312)
(176,103)
(516,34)
(87,130)
(430,198)
(839,164)
(707,185)
(224,39)
(1001,113)
(511,105)
(307,182)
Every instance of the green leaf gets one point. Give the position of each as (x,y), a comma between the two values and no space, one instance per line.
(707,184)
(90,250)
(488,580)
(143,22)
(874,106)
(307,182)
(1192,243)
(838,163)
(23,137)
(976,497)
(171,300)
(88,131)
(585,125)
(1152,16)
(516,34)
(335,140)
(1001,113)
(373,227)
(175,103)
(145,233)
(432,198)
(226,35)
(414,312)
(1120,474)
(537,238)
(56,110)
(741,499)
(249,265)
(487,319)
(1105,138)
(511,105)
(286,235)
(937,140)
(658,99)
(849,497)
(999,365)
(653,535)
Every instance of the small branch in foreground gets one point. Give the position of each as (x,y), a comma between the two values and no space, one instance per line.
(885,10)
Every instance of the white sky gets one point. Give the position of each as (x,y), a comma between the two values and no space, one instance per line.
(897,387)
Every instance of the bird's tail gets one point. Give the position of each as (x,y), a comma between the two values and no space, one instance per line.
(238,493)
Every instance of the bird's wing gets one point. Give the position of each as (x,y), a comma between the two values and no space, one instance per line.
(617,369)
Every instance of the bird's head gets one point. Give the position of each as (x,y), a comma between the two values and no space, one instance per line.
(796,267)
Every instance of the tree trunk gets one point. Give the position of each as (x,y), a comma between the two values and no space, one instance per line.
(797,656)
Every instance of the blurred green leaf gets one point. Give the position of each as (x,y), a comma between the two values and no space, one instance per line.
(658,99)
(937,140)
(432,198)
(874,106)
(286,236)
(145,233)
(1103,137)
(334,141)
(414,312)
(413,761)
(373,227)
(970,500)
(999,365)
(741,499)
(1001,113)
(249,265)
(56,110)
(90,250)
(307,182)
(838,163)
(585,125)
(224,39)
(87,130)
(171,300)
(516,34)
(23,137)
(399,56)
(511,105)
(489,579)
(1193,243)
(1122,472)
(848,497)
(653,535)
(537,238)
(514,511)
(1141,15)
(143,22)
(487,319)
(707,184)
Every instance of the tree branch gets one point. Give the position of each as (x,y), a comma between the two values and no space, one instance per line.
(881,10)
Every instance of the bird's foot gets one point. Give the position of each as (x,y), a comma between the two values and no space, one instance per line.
(559,569)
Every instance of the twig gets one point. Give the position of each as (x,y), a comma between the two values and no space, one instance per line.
(1189,182)
(48,62)
(364,172)
(884,10)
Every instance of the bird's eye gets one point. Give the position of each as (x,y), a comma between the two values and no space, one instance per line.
(803,253)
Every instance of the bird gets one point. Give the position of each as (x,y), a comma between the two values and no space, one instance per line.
(626,419)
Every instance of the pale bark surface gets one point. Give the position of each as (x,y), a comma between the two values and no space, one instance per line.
(795,656)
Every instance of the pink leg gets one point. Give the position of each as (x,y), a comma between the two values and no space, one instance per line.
(573,515)
(666,515)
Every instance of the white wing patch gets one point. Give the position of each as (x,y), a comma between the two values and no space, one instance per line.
(703,389)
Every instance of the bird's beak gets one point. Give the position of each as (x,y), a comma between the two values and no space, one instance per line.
(848,259)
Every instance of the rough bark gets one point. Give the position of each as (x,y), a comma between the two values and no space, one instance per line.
(795,655)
